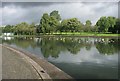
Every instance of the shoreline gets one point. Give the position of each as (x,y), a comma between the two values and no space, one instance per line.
(65,35)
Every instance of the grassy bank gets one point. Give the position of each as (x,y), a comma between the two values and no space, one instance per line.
(70,34)
(81,34)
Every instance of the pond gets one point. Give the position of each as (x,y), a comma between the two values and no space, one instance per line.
(80,57)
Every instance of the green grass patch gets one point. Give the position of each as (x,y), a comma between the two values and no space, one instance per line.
(86,34)
(69,34)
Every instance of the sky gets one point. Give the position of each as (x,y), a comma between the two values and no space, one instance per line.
(17,12)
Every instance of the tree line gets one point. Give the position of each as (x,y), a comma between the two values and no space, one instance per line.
(50,23)
(20,29)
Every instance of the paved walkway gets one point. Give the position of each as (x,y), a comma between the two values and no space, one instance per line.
(14,66)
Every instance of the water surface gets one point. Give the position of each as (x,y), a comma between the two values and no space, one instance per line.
(80,57)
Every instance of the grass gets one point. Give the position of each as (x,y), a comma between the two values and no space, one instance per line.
(85,34)
(71,34)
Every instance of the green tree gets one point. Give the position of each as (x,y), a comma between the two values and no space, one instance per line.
(71,25)
(104,23)
(87,26)
(1,28)
(88,23)
(53,24)
(112,21)
(22,29)
(32,29)
(44,23)
(94,28)
(116,28)
(56,15)
(48,23)
(8,29)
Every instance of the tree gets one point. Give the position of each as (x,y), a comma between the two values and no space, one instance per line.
(24,29)
(44,23)
(116,28)
(94,28)
(1,30)
(112,21)
(56,15)
(88,23)
(48,23)
(104,23)
(87,26)
(71,25)
(53,24)
(8,29)
(32,28)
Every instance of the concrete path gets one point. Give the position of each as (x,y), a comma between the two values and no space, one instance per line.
(16,66)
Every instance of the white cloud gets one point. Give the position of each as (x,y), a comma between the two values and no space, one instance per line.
(13,14)
(60,0)
(10,10)
(0,16)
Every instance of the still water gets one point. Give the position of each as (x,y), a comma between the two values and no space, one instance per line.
(80,57)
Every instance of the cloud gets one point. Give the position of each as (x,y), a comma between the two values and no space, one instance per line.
(16,12)
(27,4)
(0,13)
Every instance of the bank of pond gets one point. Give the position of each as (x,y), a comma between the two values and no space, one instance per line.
(63,34)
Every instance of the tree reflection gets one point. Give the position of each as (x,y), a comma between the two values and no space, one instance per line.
(71,45)
(23,42)
(53,46)
(50,47)
(108,47)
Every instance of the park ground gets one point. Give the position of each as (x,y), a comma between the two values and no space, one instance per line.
(70,34)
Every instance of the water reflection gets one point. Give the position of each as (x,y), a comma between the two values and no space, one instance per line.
(52,46)
(108,47)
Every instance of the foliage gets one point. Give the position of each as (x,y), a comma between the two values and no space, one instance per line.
(87,27)
(24,29)
(8,29)
(56,15)
(20,29)
(52,23)
(70,25)
(116,28)
(104,23)
(48,24)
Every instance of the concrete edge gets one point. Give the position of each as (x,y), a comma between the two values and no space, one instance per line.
(42,73)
